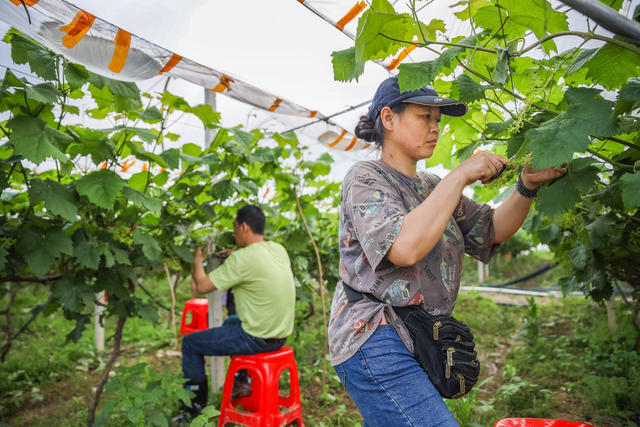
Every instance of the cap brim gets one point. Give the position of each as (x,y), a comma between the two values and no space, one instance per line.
(450,107)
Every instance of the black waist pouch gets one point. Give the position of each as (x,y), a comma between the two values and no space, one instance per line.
(442,345)
(444,348)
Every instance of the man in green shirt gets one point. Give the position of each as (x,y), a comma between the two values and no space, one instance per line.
(259,273)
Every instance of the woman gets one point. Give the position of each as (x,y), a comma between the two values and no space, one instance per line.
(403,234)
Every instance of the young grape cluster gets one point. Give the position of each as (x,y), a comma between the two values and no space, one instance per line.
(569,220)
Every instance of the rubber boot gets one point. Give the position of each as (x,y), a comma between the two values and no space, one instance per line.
(241,384)
(198,402)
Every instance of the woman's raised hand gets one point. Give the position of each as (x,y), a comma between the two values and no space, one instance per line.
(533,179)
(481,166)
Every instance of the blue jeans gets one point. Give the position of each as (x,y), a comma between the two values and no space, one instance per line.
(389,387)
(227,340)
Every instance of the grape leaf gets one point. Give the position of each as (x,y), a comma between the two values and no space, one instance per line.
(109,259)
(36,141)
(557,139)
(536,16)
(152,115)
(4,183)
(563,194)
(417,75)
(142,200)
(631,90)
(599,229)
(149,313)
(628,97)
(627,64)
(468,89)
(631,190)
(100,187)
(501,70)
(75,74)
(172,136)
(172,157)
(121,256)
(381,19)
(86,252)
(91,143)
(116,87)
(24,50)
(471,7)
(433,26)
(3,257)
(10,80)
(583,57)
(579,257)
(43,92)
(144,134)
(73,294)
(57,198)
(41,248)
(106,91)
(150,247)
(206,114)
(345,66)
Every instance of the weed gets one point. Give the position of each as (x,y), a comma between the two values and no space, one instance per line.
(140,395)
(468,409)
(531,322)
(518,394)
(206,417)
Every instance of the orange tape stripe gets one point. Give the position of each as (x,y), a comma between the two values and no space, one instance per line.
(355,11)
(313,113)
(275,105)
(225,81)
(406,51)
(338,139)
(122,41)
(77,29)
(353,142)
(27,2)
(173,61)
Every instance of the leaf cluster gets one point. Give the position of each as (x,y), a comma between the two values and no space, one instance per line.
(85,209)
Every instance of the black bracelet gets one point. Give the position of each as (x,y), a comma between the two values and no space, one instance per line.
(522,189)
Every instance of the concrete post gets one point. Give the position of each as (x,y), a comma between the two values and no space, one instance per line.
(216,364)
(98,335)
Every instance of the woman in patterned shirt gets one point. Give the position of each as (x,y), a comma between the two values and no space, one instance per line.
(403,234)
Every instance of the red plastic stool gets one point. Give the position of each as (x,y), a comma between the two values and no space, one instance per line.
(538,422)
(265,406)
(199,308)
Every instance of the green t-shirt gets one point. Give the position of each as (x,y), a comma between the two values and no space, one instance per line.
(263,287)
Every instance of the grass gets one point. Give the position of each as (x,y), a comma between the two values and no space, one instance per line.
(555,358)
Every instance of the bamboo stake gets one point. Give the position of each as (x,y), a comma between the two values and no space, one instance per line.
(172,317)
(321,283)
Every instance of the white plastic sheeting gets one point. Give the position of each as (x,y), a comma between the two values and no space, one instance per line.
(117,53)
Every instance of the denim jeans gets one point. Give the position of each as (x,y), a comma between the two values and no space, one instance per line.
(389,386)
(227,340)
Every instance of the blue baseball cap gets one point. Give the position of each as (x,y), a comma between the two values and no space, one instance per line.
(389,94)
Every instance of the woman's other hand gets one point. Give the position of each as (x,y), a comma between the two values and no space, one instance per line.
(533,179)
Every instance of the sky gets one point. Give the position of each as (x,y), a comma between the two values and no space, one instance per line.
(279,46)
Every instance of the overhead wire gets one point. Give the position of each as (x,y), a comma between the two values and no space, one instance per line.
(326,119)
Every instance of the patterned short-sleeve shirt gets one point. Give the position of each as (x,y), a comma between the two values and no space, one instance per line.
(374,200)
